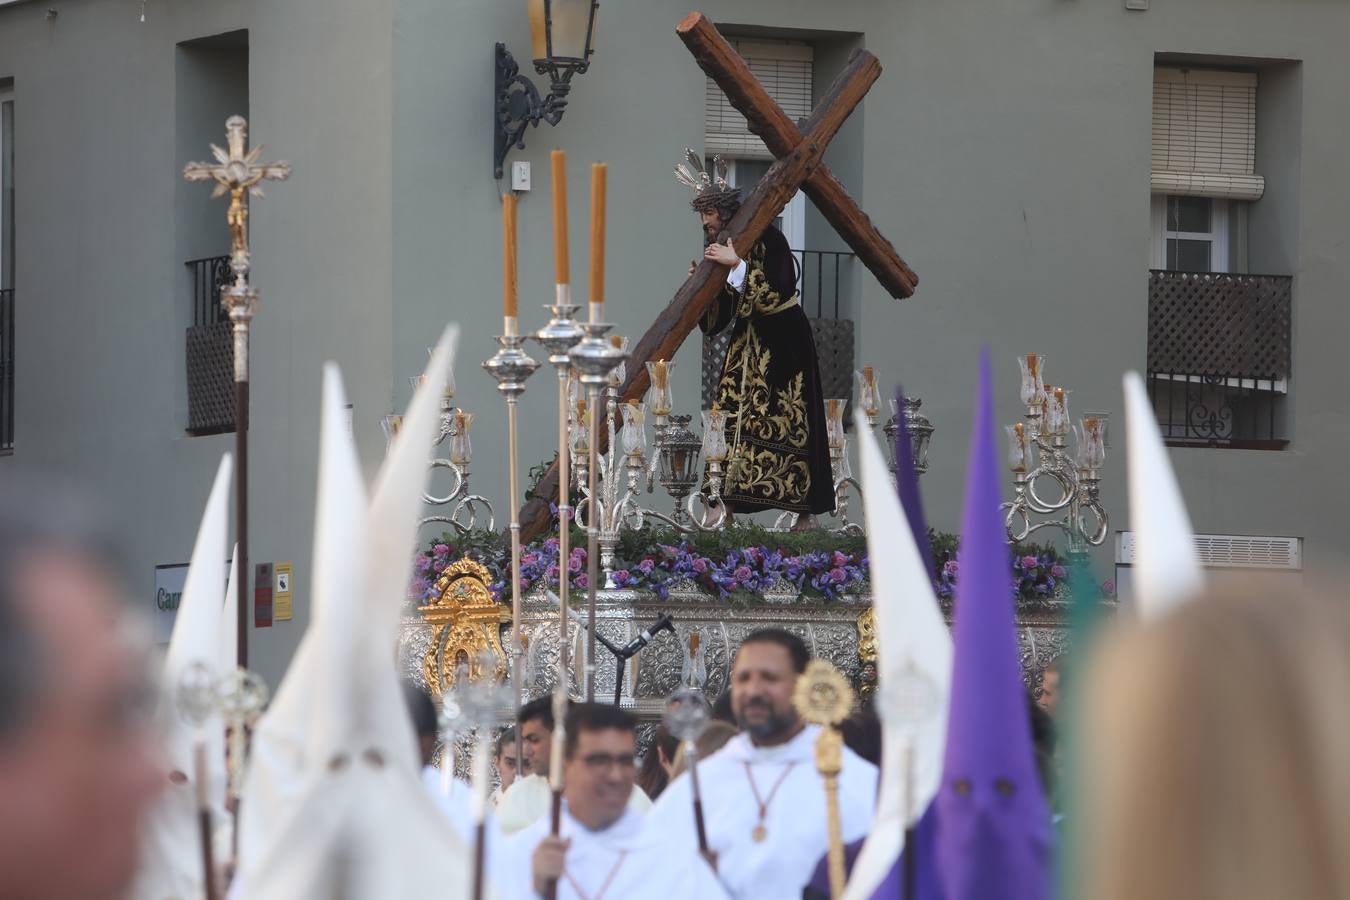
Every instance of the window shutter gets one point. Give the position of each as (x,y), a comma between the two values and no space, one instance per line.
(1204,133)
(785,70)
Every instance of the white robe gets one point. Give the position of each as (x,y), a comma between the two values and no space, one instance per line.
(456,802)
(780,866)
(530,799)
(641,864)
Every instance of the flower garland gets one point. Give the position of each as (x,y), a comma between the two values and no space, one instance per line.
(736,566)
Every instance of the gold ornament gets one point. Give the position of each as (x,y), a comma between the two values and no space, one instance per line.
(823,697)
(465,621)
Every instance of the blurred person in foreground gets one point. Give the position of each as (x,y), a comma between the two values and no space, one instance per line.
(1216,746)
(78,764)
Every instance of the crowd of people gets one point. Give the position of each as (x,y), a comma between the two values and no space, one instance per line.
(1211,747)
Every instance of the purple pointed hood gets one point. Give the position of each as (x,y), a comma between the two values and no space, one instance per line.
(994,834)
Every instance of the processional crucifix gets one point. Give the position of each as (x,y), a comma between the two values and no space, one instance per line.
(238,173)
(799,151)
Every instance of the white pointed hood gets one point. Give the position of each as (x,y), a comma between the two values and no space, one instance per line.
(171,854)
(911,638)
(339,808)
(229,618)
(1167,568)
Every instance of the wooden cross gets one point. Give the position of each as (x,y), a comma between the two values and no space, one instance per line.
(798,152)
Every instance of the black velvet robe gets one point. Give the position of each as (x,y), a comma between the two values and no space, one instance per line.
(778,456)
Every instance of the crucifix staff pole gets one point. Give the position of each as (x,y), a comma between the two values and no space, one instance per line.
(237,172)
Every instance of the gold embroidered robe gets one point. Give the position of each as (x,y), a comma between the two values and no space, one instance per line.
(778,455)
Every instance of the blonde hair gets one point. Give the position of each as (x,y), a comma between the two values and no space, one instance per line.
(1219,738)
(709,742)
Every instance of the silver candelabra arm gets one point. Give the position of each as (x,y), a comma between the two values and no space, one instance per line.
(465,504)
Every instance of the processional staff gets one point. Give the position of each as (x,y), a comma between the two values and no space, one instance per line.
(686,716)
(511,366)
(237,172)
(823,697)
(558,337)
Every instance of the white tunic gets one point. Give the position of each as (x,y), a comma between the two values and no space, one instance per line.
(456,802)
(795,838)
(622,862)
(530,799)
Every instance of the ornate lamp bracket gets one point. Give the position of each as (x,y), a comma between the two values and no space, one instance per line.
(518,104)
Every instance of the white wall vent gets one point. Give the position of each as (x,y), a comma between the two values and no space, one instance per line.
(1230,551)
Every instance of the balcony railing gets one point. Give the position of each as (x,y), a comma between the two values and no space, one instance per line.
(821,281)
(1219,357)
(7,371)
(210,351)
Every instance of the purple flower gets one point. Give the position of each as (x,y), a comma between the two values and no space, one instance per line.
(524,584)
(529,559)
(574,564)
(951,567)
(551,544)
(646,566)
(1030,562)
(1057,571)
(581,581)
(552,572)
(700,565)
(837,574)
(441,549)
(741,573)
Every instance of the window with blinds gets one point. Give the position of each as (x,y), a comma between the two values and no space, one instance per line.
(1204,133)
(785,70)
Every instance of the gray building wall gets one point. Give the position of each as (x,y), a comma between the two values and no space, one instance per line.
(1005,152)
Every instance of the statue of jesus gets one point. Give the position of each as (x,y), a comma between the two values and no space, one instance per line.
(770,385)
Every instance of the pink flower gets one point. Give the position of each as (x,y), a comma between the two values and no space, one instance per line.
(1030,562)
(574,564)
(441,549)
(1057,571)
(951,567)
(646,566)
(742,573)
(839,558)
(837,574)
(700,565)
(524,584)
(581,581)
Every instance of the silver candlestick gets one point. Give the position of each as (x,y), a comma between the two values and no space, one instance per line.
(1038,453)
(511,367)
(558,337)
(594,358)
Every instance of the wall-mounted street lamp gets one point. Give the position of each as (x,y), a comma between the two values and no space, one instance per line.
(563,36)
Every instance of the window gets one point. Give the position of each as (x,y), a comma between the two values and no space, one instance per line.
(786,70)
(6,269)
(1219,341)
(6,188)
(1190,234)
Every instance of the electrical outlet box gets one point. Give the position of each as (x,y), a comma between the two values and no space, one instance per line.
(520,176)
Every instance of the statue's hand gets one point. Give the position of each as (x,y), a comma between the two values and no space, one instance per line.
(724,254)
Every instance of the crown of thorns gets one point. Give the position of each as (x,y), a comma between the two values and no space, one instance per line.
(711,189)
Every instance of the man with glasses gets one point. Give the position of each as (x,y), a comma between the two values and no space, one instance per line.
(529,798)
(601,850)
